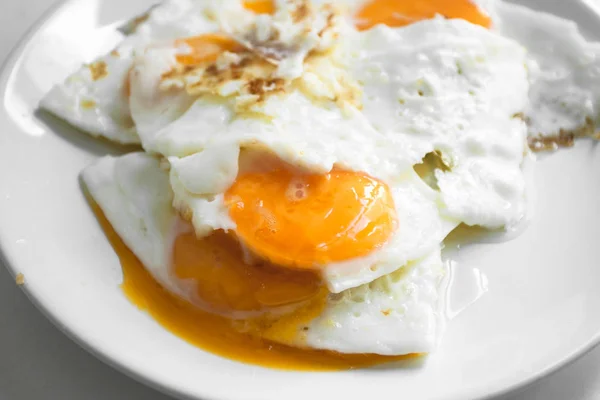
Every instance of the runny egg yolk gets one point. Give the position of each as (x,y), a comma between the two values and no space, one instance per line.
(260,6)
(242,340)
(206,48)
(398,12)
(228,285)
(404,12)
(306,221)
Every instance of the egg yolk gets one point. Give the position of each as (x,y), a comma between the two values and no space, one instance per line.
(404,12)
(206,48)
(307,221)
(227,285)
(398,12)
(260,6)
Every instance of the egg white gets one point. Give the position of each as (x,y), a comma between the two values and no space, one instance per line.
(449,93)
(399,313)
(134,194)
(564,69)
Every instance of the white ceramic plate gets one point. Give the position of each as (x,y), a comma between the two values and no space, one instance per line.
(539,299)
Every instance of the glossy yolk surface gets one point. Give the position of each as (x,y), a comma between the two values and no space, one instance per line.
(403,12)
(243,340)
(206,48)
(307,221)
(399,12)
(227,285)
(260,6)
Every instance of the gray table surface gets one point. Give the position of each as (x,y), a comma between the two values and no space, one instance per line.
(38,362)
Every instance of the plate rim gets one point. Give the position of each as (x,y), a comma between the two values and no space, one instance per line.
(119,363)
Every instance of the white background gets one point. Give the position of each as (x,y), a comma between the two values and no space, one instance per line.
(38,362)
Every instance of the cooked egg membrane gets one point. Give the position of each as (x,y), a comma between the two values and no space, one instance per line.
(393,315)
(94,98)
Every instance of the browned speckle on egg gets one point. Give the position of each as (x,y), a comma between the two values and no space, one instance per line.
(304,15)
(186,214)
(20,279)
(344,90)
(564,138)
(132,25)
(301,12)
(98,70)
(87,104)
(332,13)
(261,86)
(248,77)
(386,312)
(115,53)
(545,143)
(248,81)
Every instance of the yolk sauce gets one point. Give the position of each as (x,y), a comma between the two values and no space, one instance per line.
(397,13)
(233,339)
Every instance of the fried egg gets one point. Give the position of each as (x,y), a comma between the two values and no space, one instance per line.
(395,314)
(317,173)
(304,160)
(311,220)
(407,101)
(95,98)
(313,174)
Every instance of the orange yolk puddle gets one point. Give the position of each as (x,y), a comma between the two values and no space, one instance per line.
(229,285)
(206,48)
(307,221)
(398,12)
(237,340)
